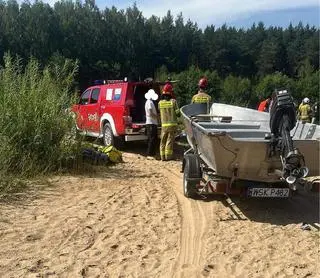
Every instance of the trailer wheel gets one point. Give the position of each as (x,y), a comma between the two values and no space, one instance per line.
(191,175)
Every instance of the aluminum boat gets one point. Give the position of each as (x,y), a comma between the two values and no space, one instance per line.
(237,149)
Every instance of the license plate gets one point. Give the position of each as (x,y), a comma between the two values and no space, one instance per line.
(268,192)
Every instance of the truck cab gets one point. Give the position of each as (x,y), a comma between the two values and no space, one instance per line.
(114,110)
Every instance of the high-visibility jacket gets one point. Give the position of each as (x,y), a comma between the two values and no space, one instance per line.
(169,111)
(304,111)
(263,106)
(201,97)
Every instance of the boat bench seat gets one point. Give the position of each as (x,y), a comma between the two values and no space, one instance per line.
(228,126)
(212,118)
(248,135)
(243,134)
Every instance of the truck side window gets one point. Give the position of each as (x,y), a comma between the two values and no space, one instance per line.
(85,97)
(95,95)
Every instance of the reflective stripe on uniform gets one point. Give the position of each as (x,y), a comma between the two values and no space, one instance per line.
(169,124)
(165,104)
(168,110)
(167,141)
(201,99)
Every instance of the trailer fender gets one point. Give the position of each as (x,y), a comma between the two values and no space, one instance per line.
(192,175)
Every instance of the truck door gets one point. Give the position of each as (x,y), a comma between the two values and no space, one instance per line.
(82,110)
(94,111)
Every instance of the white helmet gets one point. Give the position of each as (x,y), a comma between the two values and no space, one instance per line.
(306,100)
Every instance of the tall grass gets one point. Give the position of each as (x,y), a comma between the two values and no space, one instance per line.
(34,126)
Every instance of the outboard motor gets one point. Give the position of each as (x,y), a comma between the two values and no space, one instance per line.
(282,121)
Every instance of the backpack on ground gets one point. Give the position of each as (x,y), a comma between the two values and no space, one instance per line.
(114,155)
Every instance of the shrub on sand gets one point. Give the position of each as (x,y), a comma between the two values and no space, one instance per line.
(34,126)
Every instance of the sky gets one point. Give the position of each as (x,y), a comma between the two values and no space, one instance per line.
(238,13)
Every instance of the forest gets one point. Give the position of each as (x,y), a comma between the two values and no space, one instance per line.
(242,65)
(49,54)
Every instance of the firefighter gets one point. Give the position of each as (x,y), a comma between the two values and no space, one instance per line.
(169,83)
(169,111)
(304,110)
(202,96)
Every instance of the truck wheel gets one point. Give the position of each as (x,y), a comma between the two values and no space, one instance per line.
(110,139)
(191,175)
(107,135)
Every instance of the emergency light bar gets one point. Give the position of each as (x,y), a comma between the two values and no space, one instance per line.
(99,82)
(103,82)
(116,81)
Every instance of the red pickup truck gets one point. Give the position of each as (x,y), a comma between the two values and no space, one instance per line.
(114,111)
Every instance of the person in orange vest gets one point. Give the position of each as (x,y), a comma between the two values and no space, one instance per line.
(264,105)
(169,111)
(201,96)
(304,110)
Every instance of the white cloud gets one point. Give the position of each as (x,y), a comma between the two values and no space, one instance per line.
(205,12)
(217,11)
(50,2)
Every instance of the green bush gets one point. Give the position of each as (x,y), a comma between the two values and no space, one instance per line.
(237,91)
(34,125)
(243,91)
(308,83)
(269,83)
(188,84)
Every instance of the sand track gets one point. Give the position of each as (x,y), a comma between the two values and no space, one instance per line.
(132,220)
(193,230)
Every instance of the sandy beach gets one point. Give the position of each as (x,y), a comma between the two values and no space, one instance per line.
(132,220)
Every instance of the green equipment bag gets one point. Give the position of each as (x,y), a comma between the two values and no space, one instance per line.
(114,155)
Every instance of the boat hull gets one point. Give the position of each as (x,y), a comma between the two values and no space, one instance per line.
(240,147)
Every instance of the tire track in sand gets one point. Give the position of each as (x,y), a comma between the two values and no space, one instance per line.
(195,217)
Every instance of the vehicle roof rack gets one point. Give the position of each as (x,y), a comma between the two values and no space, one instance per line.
(110,81)
(117,81)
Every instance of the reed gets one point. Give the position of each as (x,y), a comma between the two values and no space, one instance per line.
(35,127)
